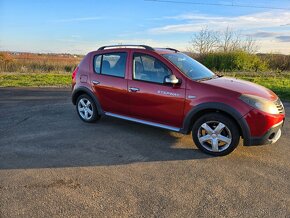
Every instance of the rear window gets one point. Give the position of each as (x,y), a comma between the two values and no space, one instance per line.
(111,64)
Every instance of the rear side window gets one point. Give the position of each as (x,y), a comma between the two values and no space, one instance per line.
(97,63)
(112,64)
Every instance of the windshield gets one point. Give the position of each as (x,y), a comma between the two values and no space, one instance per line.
(189,66)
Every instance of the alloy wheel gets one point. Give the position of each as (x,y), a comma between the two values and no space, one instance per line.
(85,108)
(214,136)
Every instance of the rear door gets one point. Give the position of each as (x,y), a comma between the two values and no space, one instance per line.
(109,81)
(149,98)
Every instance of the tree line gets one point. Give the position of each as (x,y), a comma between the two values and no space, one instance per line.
(229,50)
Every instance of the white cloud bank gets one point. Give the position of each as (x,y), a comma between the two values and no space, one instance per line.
(194,22)
(274,39)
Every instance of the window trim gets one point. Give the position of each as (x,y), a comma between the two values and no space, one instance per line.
(102,55)
(140,80)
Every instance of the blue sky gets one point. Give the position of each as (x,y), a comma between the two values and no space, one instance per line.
(81,26)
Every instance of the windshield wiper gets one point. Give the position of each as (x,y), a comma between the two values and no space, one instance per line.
(208,78)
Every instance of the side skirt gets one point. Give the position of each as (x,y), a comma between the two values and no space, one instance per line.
(143,122)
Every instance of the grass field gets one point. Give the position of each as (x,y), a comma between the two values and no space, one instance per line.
(279,84)
(54,70)
(38,63)
(35,79)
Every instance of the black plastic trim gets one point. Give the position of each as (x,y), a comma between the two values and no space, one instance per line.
(113,46)
(187,123)
(264,140)
(172,49)
(91,94)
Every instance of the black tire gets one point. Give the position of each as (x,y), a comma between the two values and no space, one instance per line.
(90,107)
(225,139)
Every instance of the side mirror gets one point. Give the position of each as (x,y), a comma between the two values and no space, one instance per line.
(172,79)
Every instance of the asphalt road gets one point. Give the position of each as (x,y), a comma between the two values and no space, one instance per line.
(53,164)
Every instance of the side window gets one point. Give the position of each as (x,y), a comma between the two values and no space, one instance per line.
(112,64)
(148,68)
(97,63)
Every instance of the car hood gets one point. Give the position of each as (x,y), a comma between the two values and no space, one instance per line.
(242,87)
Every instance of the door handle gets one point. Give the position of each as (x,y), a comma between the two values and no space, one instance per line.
(133,89)
(95,82)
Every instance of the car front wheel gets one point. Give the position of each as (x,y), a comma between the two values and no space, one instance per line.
(215,134)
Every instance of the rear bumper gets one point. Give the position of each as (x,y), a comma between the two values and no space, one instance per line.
(270,137)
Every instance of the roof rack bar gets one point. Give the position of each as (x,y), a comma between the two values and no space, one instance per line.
(111,46)
(172,49)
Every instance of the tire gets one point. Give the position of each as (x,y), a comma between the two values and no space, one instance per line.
(215,134)
(86,109)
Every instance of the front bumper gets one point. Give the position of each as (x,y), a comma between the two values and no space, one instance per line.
(270,137)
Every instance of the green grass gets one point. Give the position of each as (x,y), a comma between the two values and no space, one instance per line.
(279,83)
(35,79)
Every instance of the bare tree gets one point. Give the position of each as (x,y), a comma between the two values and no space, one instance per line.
(204,41)
(229,40)
(249,45)
(207,41)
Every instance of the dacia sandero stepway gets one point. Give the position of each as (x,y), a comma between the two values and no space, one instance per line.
(168,89)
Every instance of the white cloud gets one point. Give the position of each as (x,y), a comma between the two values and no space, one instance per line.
(263,34)
(274,46)
(194,22)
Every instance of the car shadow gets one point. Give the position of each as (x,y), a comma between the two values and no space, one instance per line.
(73,143)
(39,128)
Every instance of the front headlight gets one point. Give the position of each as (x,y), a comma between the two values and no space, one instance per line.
(260,103)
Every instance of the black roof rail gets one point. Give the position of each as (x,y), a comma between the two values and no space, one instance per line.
(172,49)
(111,46)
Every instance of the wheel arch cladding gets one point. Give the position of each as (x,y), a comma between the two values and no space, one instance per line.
(209,107)
(83,90)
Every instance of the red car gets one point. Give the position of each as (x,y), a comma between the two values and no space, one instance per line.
(168,89)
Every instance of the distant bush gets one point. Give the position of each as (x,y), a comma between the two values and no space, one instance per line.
(6,62)
(277,62)
(69,68)
(233,61)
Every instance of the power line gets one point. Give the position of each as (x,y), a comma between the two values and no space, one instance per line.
(217,4)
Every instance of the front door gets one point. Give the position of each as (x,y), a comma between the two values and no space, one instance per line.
(149,98)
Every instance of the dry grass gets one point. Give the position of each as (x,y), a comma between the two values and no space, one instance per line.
(37,63)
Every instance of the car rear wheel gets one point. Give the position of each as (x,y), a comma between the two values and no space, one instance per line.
(87,109)
(215,134)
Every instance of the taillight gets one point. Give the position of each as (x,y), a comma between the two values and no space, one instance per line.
(75,73)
